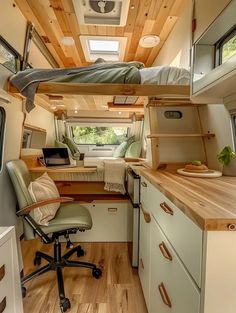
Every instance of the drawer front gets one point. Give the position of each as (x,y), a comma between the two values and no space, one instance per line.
(7,283)
(171,287)
(144,256)
(185,236)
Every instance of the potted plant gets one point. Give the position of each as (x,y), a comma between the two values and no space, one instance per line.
(228,158)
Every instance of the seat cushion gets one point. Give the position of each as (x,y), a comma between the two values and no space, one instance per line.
(134,150)
(40,189)
(69,215)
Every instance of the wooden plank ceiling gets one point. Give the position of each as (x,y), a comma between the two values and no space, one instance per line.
(54,19)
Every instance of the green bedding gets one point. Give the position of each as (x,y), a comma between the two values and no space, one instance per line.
(119,75)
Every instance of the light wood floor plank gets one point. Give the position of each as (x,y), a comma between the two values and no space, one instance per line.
(118,291)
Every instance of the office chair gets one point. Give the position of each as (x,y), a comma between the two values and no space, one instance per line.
(69,218)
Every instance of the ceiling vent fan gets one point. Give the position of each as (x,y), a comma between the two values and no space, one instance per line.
(102,12)
(102,6)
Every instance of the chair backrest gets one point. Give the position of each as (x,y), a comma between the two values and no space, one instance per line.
(20,178)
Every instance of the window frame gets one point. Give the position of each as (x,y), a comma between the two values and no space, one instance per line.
(233,125)
(2,134)
(11,50)
(96,144)
(220,44)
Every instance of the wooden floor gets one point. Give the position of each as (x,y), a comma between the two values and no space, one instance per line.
(118,291)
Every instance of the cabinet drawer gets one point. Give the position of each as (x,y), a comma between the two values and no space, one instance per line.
(144,256)
(184,235)
(171,287)
(7,282)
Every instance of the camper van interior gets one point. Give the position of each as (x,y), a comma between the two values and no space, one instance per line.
(117,156)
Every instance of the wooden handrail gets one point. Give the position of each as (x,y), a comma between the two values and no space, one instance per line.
(29,208)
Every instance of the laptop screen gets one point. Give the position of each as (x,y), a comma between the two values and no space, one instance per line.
(56,156)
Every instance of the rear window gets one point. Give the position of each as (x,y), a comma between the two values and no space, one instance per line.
(99,135)
(2,127)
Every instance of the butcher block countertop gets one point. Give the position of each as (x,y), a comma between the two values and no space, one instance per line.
(209,202)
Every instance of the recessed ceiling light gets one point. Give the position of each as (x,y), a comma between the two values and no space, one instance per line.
(149,41)
(67,41)
(76,111)
(119,113)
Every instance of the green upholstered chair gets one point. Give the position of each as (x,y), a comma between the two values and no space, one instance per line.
(69,218)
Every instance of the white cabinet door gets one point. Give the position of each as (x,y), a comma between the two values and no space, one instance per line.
(185,236)
(171,287)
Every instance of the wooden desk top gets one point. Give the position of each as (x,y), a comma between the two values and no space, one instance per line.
(209,202)
(42,169)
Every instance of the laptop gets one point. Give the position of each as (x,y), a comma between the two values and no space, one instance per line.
(56,157)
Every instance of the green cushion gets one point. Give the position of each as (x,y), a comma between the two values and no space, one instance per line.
(134,150)
(130,140)
(59,144)
(120,150)
(72,146)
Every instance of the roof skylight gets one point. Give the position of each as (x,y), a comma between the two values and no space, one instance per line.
(109,48)
(104,46)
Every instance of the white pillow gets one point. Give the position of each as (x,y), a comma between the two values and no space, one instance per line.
(41,189)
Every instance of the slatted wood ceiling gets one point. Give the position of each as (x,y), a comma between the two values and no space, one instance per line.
(54,19)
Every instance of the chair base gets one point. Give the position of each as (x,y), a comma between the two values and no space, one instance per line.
(57,263)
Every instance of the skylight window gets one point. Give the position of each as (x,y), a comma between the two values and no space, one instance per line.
(104,46)
(109,48)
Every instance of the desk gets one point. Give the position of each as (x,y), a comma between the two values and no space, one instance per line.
(80,183)
(43,169)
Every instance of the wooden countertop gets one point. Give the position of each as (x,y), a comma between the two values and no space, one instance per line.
(42,169)
(209,202)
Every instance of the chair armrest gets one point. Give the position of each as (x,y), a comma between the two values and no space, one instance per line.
(27,209)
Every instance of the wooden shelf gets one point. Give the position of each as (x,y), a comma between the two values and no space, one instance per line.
(165,91)
(208,135)
(42,169)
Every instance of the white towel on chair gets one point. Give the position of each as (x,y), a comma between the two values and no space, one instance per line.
(114,177)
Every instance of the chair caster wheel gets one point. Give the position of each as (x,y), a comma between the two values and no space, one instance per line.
(65,305)
(37,260)
(23,291)
(80,252)
(97,273)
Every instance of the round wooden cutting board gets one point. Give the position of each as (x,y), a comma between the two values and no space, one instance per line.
(208,174)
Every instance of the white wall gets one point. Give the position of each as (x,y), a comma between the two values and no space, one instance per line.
(12,24)
(12,142)
(176,50)
(39,117)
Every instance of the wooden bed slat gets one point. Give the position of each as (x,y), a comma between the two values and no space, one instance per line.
(110,89)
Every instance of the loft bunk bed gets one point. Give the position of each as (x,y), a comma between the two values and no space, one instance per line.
(128,79)
(163,85)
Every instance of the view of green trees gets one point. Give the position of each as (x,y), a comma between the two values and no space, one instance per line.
(7,59)
(229,49)
(99,135)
